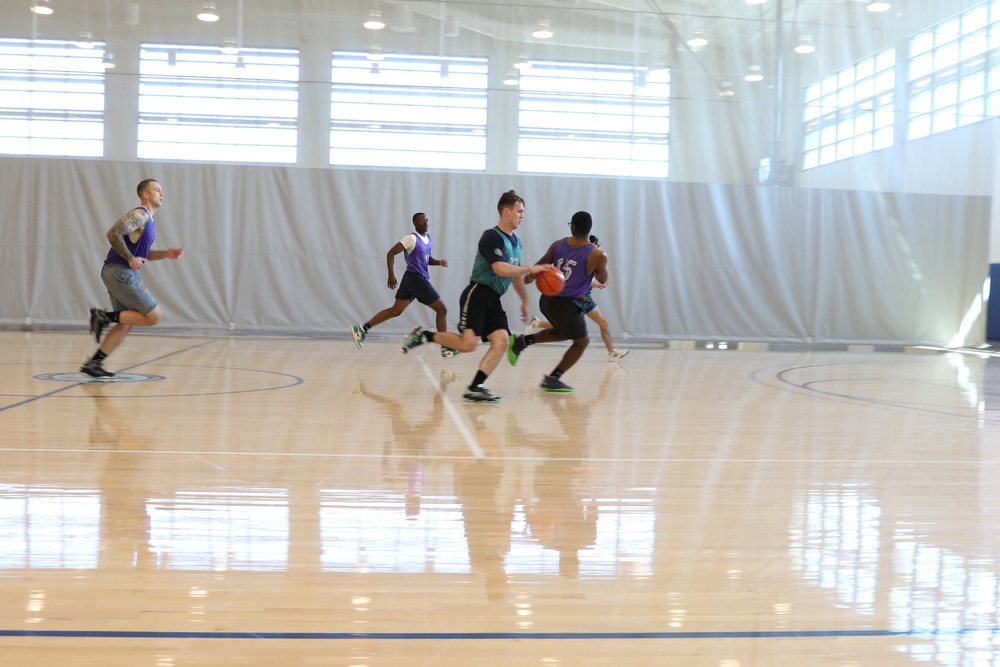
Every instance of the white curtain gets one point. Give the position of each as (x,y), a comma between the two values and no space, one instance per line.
(285,249)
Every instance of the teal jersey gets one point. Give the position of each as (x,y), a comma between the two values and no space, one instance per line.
(495,244)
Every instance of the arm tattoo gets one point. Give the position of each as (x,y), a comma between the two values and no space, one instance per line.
(127,224)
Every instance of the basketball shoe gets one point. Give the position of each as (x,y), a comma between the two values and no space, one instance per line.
(534,325)
(359,333)
(480,394)
(413,339)
(515,346)
(95,369)
(616,353)
(552,384)
(448,353)
(98,322)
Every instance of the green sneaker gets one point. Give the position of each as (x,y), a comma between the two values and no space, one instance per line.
(515,346)
(359,334)
(413,339)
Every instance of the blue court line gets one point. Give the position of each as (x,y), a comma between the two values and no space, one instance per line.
(749,634)
(77,384)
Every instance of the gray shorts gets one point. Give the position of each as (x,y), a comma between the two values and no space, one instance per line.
(126,289)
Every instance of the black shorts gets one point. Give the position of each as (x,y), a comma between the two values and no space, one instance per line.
(415,286)
(480,310)
(567,315)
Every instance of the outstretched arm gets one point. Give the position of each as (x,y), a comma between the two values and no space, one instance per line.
(169,253)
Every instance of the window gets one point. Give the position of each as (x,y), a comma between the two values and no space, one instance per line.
(601,120)
(196,103)
(954,74)
(51,98)
(850,112)
(408,111)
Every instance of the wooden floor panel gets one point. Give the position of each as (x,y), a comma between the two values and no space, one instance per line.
(297,501)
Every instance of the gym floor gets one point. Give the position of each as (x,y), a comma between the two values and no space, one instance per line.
(281,501)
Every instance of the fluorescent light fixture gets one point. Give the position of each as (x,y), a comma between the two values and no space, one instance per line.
(805,45)
(542,31)
(208,13)
(41,7)
(84,41)
(876,6)
(229,48)
(374,21)
(511,79)
(753,74)
(697,41)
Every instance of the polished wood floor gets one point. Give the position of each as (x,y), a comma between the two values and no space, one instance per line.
(300,502)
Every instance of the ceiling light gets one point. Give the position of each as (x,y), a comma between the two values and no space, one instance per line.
(452,28)
(85,41)
(753,74)
(542,31)
(229,48)
(511,79)
(805,45)
(875,6)
(208,13)
(404,22)
(726,89)
(374,21)
(375,53)
(522,63)
(697,41)
(108,62)
(41,7)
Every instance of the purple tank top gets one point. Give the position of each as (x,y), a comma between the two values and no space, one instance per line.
(416,259)
(138,249)
(573,263)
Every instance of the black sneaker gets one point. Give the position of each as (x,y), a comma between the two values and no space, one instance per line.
(98,323)
(550,383)
(480,394)
(94,369)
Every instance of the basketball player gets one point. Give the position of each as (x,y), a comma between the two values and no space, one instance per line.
(132,305)
(580,261)
(593,312)
(497,266)
(416,284)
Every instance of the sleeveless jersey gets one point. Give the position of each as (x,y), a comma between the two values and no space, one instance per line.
(573,263)
(417,258)
(482,269)
(138,249)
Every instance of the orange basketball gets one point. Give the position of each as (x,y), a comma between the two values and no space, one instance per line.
(550,281)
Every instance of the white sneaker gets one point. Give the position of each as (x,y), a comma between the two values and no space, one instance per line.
(615,354)
(534,325)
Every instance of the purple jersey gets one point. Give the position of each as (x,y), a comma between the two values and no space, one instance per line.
(573,263)
(138,249)
(419,255)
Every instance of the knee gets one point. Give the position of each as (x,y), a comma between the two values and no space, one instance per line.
(581,343)
(153,316)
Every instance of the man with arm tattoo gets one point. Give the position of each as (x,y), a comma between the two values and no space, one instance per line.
(132,305)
